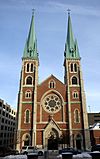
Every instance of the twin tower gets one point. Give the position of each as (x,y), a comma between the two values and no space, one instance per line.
(52,114)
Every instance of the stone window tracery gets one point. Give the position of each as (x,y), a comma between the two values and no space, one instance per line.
(52,103)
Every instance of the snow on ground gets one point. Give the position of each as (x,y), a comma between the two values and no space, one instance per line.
(78,156)
(82,156)
(16,157)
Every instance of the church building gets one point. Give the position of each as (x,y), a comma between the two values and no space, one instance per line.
(52,114)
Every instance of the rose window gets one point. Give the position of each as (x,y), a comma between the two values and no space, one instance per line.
(52,103)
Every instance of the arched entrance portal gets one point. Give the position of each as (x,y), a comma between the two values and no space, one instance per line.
(78,142)
(53,140)
(26,140)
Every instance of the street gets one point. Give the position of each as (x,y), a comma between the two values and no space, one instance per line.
(47,155)
(54,155)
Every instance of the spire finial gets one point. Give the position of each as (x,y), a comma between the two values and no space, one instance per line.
(33,10)
(68,10)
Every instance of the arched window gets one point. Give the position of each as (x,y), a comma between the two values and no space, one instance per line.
(31,67)
(75,67)
(74,80)
(75,94)
(71,67)
(77,116)
(27,67)
(27,116)
(29,80)
(28,94)
(51,84)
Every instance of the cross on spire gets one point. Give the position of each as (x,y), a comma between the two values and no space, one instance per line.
(68,10)
(33,10)
(30,50)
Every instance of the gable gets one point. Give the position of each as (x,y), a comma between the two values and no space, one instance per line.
(52,125)
(51,78)
(44,87)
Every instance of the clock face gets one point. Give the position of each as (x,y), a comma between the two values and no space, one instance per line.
(52,103)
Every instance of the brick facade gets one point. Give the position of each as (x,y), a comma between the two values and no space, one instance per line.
(52,114)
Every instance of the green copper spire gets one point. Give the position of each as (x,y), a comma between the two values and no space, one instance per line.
(70,38)
(30,50)
(71,47)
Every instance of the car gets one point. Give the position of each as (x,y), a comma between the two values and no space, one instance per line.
(30,149)
(39,151)
(95,147)
(69,149)
(27,149)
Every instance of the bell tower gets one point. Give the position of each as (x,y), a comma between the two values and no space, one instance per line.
(77,114)
(26,131)
(52,108)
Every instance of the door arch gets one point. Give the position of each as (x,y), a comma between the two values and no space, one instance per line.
(26,140)
(52,131)
(79,142)
(53,140)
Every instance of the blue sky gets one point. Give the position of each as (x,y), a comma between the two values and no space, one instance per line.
(51,30)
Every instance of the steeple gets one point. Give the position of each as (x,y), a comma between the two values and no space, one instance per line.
(30,50)
(71,47)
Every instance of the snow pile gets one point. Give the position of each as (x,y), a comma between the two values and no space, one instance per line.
(16,157)
(82,156)
(59,157)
